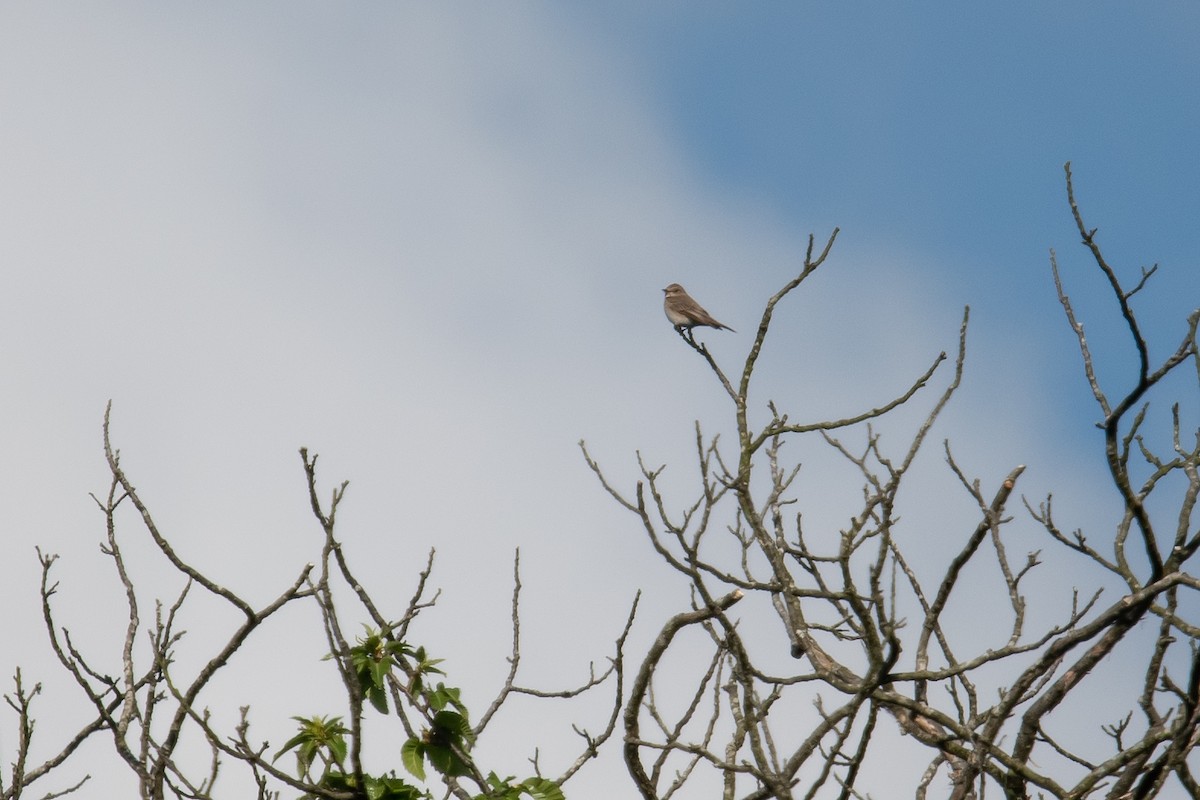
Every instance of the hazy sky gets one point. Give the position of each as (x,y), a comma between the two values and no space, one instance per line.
(429,242)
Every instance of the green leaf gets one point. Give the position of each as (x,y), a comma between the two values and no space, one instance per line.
(379,671)
(390,787)
(426,665)
(317,734)
(378,697)
(452,720)
(444,696)
(305,755)
(453,725)
(412,755)
(336,779)
(495,782)
(499,788)
(542,789)
(298,739)
(338,748)
(397,649)
(443,759)
(373,659)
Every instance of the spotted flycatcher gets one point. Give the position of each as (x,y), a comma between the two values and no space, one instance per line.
(686,313)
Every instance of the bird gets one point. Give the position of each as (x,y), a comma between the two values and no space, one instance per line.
(685,313)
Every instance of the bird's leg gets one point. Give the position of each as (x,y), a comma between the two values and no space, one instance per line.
(688,336)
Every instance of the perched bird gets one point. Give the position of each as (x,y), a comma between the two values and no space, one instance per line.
(686,313)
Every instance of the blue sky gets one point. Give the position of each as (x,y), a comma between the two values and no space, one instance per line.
(428,242)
